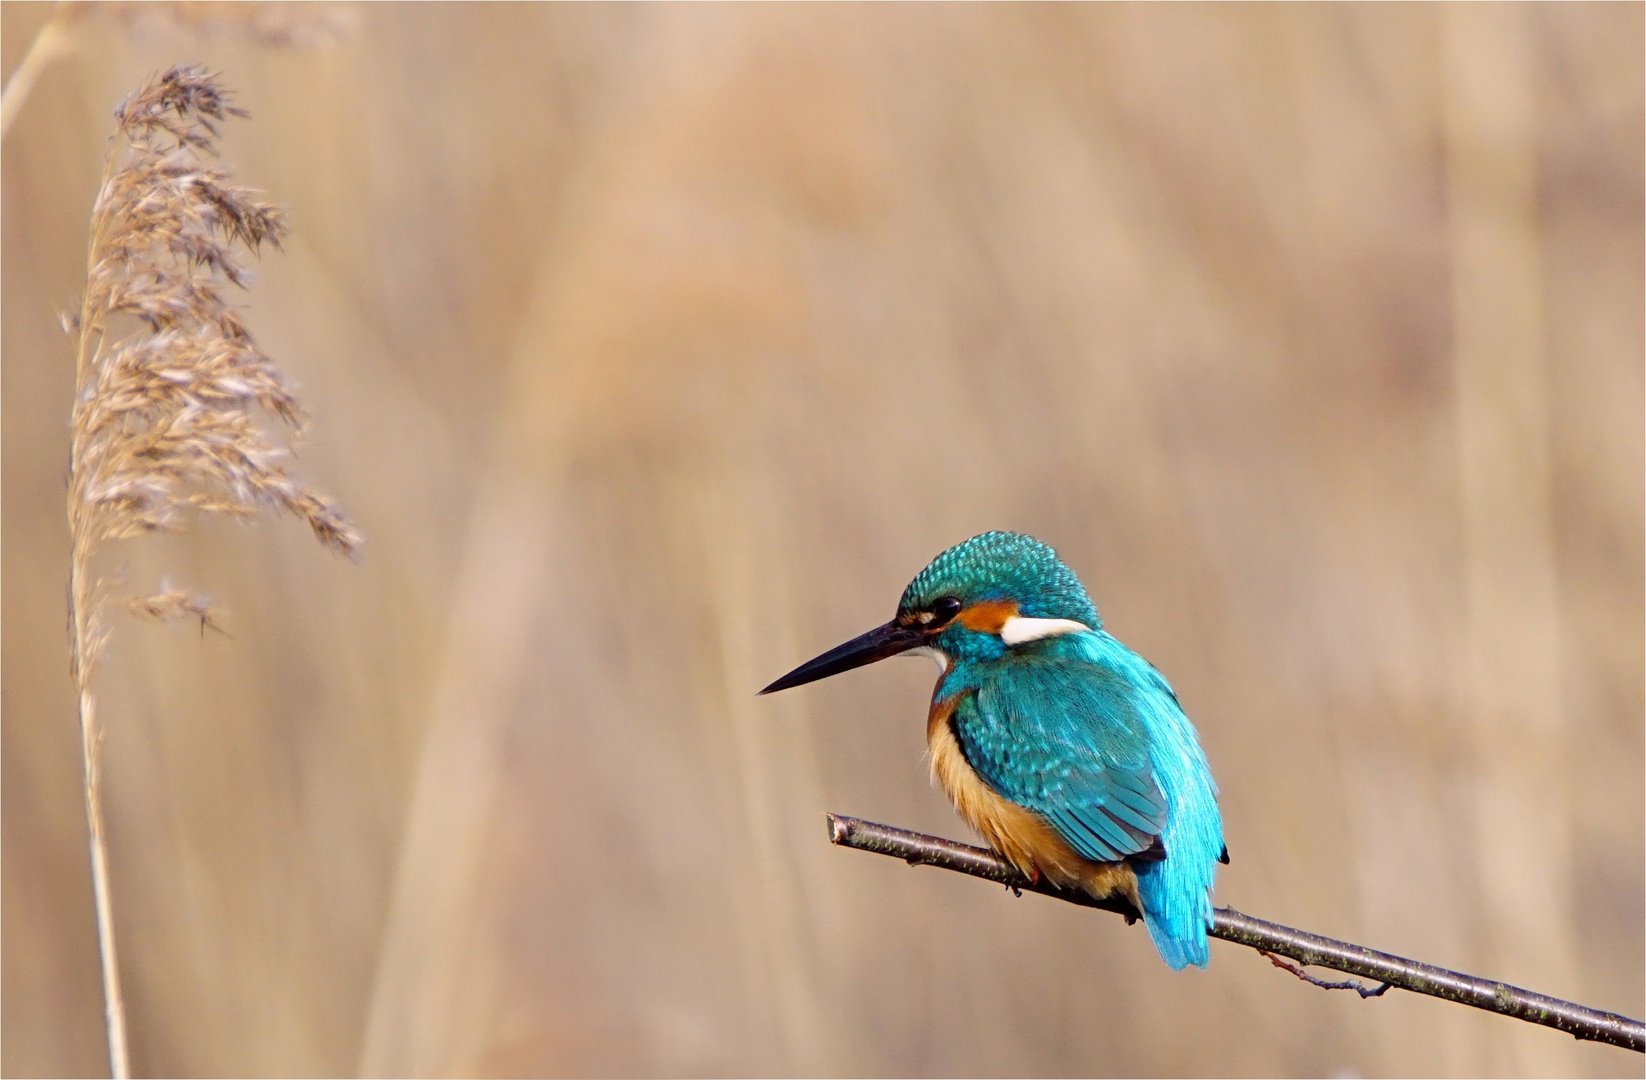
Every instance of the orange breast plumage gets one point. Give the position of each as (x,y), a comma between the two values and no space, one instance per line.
(1021,835)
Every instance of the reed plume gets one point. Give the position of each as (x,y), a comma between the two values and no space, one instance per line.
(171,389)
(273,25)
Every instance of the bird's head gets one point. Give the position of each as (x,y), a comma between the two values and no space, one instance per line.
(973,602)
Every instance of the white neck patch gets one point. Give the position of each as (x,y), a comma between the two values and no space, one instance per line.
(938,655)
(1017,629)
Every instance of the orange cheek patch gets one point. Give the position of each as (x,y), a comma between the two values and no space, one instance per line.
(987,617)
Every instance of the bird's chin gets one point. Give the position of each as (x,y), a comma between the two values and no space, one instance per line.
(938,656)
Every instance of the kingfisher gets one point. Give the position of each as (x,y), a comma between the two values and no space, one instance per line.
(1066,751)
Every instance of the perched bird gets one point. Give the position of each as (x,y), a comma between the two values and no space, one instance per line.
(1065,750)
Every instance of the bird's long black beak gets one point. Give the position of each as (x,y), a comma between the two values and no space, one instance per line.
(877,644)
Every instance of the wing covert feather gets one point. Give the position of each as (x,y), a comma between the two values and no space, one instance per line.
(1061,738)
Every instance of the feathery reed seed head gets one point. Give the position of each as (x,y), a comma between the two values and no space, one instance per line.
(169,388)
(171,384)
(173,604)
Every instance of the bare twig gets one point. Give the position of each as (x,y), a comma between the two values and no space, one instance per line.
(1579,1021)
(1346,984)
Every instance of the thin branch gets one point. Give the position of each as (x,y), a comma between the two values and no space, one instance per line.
(1307,949)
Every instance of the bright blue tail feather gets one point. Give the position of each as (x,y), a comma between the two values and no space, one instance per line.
(1176,892)
(1178,930)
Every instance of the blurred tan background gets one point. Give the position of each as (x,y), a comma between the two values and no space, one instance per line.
(655,348)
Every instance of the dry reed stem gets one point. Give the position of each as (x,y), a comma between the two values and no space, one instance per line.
(169,389)
(52,42)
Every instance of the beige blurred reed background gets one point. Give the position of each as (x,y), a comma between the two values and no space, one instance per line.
(654,348)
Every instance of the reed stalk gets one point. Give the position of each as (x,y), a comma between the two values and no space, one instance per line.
(54,41)
(170,392)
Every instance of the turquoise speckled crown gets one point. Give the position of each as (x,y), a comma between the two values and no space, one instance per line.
(1004,565)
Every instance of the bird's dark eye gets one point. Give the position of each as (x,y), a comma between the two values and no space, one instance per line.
(946,608)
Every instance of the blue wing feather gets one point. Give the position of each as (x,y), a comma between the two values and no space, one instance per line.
(1058,739)
(1086,732)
